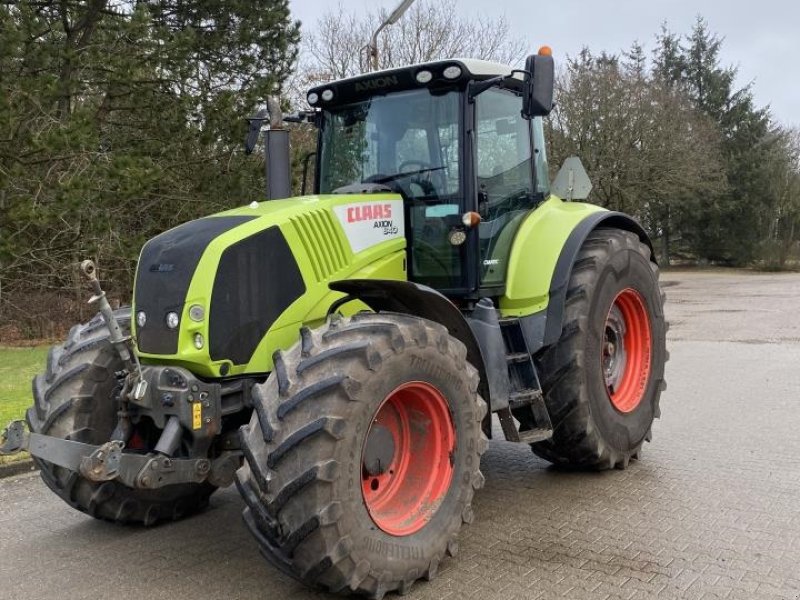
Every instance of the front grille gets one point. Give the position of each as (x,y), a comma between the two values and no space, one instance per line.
(324,249)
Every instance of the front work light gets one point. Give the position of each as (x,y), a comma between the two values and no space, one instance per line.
(452,72)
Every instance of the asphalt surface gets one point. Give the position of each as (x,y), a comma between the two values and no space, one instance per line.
(711,511)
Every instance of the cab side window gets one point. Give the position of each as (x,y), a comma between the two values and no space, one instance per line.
(504,177)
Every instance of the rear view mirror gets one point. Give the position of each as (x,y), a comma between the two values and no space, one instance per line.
(537,100)
(572,181)
(254,130)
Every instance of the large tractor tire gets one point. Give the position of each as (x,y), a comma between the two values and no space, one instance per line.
(603,379)
(363,454)
(74,400)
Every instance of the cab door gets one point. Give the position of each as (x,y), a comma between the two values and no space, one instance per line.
(505,179)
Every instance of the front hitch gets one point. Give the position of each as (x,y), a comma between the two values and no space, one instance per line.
(107,462)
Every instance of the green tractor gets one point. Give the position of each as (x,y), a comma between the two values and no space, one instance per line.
(339,356)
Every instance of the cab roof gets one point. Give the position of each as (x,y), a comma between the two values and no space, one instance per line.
(403,78)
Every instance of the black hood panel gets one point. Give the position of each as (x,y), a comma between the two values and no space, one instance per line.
(166,266)
(257,279)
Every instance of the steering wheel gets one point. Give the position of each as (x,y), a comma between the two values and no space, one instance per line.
(418,163)
(428,189)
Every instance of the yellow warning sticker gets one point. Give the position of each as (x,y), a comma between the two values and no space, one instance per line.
(197,415)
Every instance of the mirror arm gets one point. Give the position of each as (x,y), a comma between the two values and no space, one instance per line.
(303,116)
(478,87)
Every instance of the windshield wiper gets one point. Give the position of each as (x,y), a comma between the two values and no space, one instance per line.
(396,176)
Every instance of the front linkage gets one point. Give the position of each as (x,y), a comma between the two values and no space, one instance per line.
(172,397)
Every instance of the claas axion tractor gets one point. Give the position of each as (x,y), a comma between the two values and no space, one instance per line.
(339,356)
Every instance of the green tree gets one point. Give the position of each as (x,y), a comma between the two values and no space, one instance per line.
(119,120)
(648,151)
(726,227)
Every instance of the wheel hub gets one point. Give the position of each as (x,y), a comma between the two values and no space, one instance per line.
(626,350)
(379,451)
(406,458)
(614,352)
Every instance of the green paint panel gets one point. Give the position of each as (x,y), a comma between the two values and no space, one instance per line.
(535,252)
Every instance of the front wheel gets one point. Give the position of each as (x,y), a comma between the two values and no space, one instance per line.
(363,454)
(74,400)
(603,379)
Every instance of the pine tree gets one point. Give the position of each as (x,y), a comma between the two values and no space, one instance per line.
(726,227)
(119,120)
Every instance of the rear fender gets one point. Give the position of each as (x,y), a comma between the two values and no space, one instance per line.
(539,276)
(566,260)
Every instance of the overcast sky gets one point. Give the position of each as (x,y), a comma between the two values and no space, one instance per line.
(761,38)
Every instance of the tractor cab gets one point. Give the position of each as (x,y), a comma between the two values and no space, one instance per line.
(461,141)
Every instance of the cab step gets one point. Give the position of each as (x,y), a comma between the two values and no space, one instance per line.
(525,402)
(531,436)
(524,398)
(512,432)
(518,357)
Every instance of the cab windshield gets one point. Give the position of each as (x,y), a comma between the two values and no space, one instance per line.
(410,143)
(408,138)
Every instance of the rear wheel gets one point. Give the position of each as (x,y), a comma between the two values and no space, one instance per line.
(363,454)
(603,379)
(74,400)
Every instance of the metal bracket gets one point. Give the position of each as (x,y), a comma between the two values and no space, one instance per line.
(107,462)
(160,471)
(223,469)
(103,464)
(14,438)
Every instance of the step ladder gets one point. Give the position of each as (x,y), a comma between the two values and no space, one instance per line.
(526,400)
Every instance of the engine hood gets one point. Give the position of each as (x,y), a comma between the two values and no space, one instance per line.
(233,278)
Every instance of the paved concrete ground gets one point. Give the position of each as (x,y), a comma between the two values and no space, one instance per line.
(712,510)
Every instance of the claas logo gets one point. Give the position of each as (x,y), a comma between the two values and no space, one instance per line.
(368,212)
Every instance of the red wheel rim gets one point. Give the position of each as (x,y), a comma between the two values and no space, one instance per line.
(406,458)
(626,350)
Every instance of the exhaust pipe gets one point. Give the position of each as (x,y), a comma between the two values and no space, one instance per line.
(276,151)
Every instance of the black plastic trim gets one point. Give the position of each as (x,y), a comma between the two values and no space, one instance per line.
(485,326)
(257,279)
(166,267)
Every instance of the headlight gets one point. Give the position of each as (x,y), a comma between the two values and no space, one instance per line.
(173,320)
(457,237)
(197,313)
(313,98)
(327,95)
(141,318)
(198,341)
